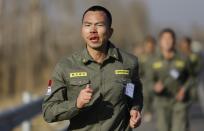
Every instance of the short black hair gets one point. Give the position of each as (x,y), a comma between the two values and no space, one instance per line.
(100,8)
(187,39)
(150,39)
(170,31)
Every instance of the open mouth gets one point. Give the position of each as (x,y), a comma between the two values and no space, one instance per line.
(94,39)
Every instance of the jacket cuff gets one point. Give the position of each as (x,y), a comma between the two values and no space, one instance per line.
(68,110)
(138,108)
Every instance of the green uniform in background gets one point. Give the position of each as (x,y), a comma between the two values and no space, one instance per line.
(195,66)
(109,107)
(145,73)
(172,115)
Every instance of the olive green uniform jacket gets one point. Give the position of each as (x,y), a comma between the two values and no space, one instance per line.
(109,107)
(172,115)
(145,74)
(174,74)
(195,67)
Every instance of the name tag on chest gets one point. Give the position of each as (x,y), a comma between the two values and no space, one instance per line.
(129,90)
(174,73)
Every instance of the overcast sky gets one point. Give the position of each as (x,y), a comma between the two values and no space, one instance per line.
(179,14)
(182,14)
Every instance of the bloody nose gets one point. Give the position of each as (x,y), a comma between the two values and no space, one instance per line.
(93,30)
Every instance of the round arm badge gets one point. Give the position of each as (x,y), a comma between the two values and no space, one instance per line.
(49,90)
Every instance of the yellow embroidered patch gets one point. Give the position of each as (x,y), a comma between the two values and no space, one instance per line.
(193,57)
(157,65)
(122,72)
(77,74)
(180,64)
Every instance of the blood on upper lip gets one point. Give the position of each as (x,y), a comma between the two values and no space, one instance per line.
(94,37)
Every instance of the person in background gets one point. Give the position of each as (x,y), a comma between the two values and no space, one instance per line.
(145,72)
(171,85)
(195,65)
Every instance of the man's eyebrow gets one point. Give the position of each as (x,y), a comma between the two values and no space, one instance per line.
(100,22)
(86,22)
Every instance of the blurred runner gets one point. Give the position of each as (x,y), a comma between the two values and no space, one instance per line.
(145,73)
(195,65)
(170,75)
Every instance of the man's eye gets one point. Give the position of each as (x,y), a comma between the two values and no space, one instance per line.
(100,25)
(87,25)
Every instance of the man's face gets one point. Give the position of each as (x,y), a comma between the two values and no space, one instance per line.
(149,47)
(95,30)
(166,42)
(184,46)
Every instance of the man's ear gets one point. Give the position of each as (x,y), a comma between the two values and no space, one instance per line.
(81,32)
(111,32)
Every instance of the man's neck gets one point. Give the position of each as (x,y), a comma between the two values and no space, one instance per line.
(188,52)
(150,53)
(98,55)
(168,55)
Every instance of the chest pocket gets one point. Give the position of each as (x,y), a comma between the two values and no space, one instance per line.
(123,81)
(179,64)
(75,86)
(79,82)
(176,69)
(119,88)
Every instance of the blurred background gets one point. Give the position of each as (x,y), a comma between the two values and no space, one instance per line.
(35,34)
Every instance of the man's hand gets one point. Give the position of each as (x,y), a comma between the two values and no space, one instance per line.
(84,97)
(135,118)
(158,87)
(181,95)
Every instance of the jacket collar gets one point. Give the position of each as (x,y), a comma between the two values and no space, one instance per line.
(112,52)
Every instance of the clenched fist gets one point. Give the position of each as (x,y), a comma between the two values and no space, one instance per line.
(84,97)
(135,118)
(181,95)
(158,87)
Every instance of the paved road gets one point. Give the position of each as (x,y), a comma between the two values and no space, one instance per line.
(196,121)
